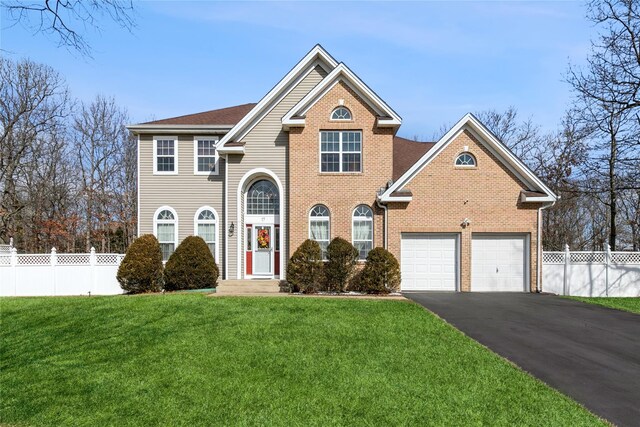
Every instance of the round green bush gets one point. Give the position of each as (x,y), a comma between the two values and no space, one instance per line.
(141,269)
(381,273)
(304,270)
(191,266)
(341,256)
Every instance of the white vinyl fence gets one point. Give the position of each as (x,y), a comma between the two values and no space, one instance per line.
(59,274)
(591,274)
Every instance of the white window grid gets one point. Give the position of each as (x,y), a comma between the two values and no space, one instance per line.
(362,217)
(341,113)
(263,198)
(320,214)
(164,219)
(165,155)
(205,154)
(466,160)
(206,227)
(341,151)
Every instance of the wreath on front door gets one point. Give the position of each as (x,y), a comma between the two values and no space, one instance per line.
(263,238)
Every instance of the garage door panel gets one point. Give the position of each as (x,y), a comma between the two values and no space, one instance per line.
(498,263)
(429,261)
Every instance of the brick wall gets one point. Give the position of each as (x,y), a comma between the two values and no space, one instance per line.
(444,195)
(340,192)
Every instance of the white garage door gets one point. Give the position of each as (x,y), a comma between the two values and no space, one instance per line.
(498,263)
(429,262)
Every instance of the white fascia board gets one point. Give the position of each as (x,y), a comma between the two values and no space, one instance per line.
(231,150)
(483,134)
(317,53)
(341,73)
(538,199)
(387,199)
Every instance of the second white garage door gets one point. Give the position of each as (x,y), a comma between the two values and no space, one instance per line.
(429,262)
(499,263)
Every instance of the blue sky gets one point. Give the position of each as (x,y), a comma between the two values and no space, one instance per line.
(431,61)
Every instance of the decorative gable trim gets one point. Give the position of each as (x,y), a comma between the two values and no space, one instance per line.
(386,116)
(496,147)
(316,56)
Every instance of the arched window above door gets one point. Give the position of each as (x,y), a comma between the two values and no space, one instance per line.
(263,198)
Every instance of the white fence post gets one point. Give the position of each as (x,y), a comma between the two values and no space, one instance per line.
(607,261)
(565,278)
(53,262)
(93,260)
(14,268)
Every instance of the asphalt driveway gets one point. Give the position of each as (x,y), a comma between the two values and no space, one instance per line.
(588,352)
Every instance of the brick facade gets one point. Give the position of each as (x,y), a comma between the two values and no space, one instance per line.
(340,192)
(444,195)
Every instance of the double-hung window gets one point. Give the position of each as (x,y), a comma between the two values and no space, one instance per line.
(363,230)
(340,151)
(205,160)
(165,155)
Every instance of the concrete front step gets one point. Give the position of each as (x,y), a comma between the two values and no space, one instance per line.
(247,287)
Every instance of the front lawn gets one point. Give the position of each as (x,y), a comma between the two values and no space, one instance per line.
(626,304)
(196,360)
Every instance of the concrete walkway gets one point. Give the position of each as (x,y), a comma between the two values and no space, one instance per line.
(588,352)
(248,288)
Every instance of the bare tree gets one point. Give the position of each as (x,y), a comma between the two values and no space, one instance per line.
(99,139)
(34,101)
(66,20)
(522,137)
(607,104)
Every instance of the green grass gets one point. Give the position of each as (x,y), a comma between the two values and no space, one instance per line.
(195,360)
(626,304)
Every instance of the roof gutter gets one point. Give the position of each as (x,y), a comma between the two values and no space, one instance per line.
(386,224)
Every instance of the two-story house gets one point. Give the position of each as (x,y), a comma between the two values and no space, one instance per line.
(318,157)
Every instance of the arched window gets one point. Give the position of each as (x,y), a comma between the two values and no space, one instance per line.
(341,113)
(206,227)
(319,227)
(362,231)
(166,229)
(466,159)
(263,199)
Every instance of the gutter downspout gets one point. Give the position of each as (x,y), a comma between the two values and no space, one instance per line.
(539,263)
(386,223)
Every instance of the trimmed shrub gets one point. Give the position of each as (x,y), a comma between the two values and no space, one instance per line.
(304,270)
(191,266)
(342,257)
(141,269)
(381,273)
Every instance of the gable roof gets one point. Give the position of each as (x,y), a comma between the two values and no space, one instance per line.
(405,154)
(341,73)
(317,55)
(222,116)
(513,163)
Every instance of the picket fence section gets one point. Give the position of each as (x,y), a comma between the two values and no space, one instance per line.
(56,274)
(591,274)
(588,274)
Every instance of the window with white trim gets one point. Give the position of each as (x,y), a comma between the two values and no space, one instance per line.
(340,151)
(165,157)
(205,156)
(362,230)
(320,227)
(166,232)
(466,160)
(262,198)
(341,113)
(206,228)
